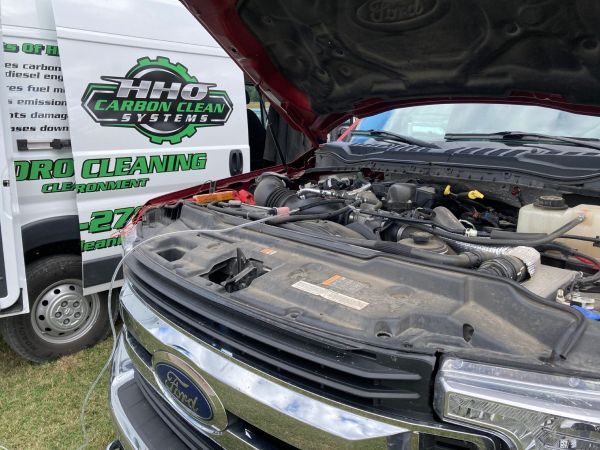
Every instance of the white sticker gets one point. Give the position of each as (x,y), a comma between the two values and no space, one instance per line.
(330,295)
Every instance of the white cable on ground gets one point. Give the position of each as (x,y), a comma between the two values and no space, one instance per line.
(84,432)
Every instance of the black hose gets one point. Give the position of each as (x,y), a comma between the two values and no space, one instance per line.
(569,338)
(595,240)
(403,219)
(466,259)
(506,242)
(501,234)
(298,217)
(277,220)
(320,203)
(494,235)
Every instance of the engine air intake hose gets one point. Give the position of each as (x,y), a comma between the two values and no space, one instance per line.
(505,266)
(272,192)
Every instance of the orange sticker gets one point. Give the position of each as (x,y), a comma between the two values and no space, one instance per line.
(268,251)
(328,281)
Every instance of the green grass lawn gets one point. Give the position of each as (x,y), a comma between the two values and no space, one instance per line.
(40,404)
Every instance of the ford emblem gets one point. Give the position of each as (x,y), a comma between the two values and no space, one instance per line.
(184,386)
(183,390)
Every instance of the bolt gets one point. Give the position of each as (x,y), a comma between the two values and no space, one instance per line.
(58,314)
(77,315)
(64,304)
(75,304)
(66,321)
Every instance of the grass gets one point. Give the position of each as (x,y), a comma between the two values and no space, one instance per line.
(40,404)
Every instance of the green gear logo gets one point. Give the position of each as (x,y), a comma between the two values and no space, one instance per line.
(161,100)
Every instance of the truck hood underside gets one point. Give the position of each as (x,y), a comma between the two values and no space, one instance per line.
(322,61)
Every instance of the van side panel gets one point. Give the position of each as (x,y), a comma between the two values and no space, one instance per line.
(13,294)
(38,114)
(154,105)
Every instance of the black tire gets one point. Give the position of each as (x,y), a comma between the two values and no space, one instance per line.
(46,277)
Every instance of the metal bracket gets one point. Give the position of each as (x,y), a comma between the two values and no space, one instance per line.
(212,187)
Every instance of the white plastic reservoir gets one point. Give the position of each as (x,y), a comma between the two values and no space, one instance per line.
(550,213)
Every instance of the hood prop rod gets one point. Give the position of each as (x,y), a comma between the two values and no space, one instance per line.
(270,128)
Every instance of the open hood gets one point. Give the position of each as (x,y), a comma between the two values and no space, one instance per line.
(323,61)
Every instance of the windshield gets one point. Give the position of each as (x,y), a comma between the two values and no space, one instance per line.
(433,122)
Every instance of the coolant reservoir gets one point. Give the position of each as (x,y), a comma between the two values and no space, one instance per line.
(550,212)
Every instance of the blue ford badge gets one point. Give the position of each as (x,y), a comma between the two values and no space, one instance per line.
(183,390)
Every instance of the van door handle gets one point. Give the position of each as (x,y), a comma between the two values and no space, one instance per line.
(236,162)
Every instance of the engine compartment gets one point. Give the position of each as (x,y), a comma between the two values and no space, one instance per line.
(443,223)
(484,268)
(304,274)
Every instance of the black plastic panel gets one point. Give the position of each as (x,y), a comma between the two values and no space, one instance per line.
(145,421)
(100,271)
(414,309)
(373,381)
(556,163)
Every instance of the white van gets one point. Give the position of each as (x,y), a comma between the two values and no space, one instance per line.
(101,103)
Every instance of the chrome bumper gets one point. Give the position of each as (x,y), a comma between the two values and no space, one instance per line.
(121,374)
(282,411)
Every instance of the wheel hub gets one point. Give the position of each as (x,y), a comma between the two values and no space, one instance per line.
(62,312)
(67,309)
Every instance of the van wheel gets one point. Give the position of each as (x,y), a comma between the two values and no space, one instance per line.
(61,320)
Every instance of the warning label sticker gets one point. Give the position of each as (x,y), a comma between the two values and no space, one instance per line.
(330,294)
(345,285)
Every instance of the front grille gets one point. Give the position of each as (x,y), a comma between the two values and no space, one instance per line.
(195,439)
(398,384)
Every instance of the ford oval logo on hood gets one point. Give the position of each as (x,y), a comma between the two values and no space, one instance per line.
(183,390)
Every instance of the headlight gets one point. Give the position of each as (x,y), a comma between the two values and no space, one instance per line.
(528,410)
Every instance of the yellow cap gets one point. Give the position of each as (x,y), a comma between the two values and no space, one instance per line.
(473,195)
(447,190)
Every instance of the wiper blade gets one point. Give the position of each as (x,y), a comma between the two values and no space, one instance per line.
(522,136)
(390,136)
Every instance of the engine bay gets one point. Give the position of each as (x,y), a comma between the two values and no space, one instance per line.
(413,261)
(448,224)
